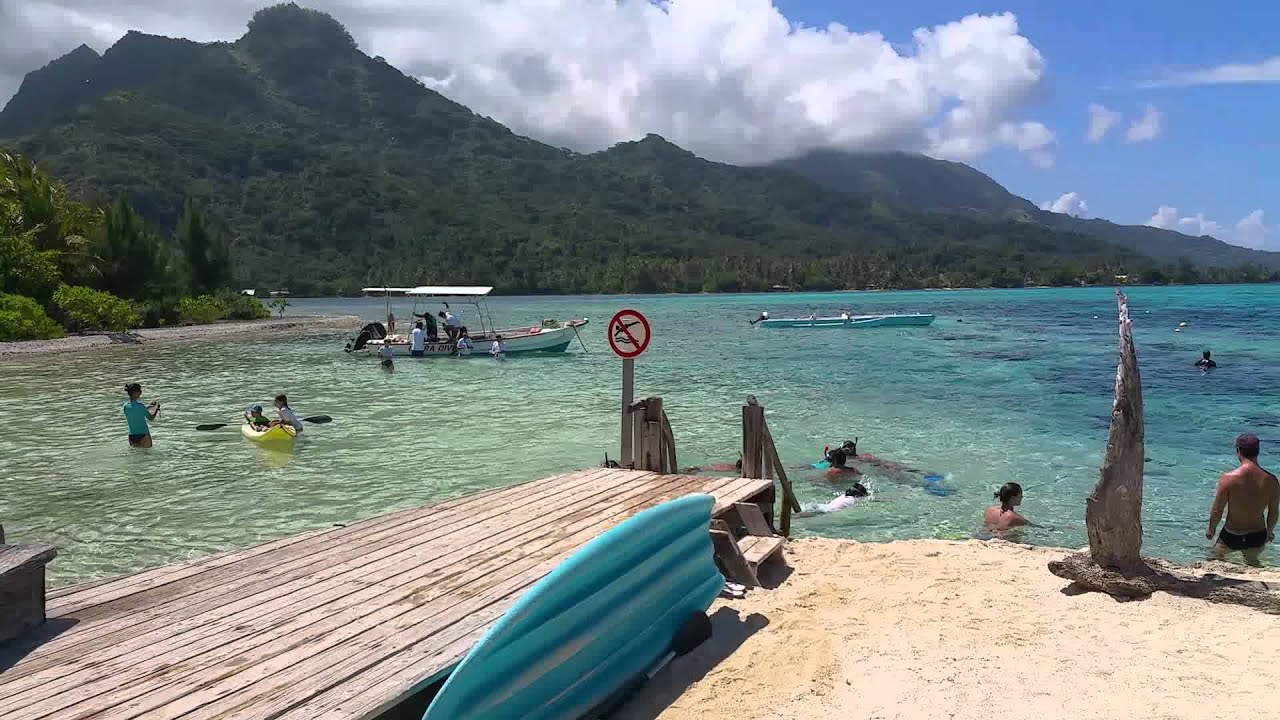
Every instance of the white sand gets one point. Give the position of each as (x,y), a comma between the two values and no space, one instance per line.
(291,325)
(964,631)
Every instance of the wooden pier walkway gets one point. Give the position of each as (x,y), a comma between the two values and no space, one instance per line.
(340,624)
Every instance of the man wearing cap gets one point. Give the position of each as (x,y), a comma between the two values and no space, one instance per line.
(1250,496)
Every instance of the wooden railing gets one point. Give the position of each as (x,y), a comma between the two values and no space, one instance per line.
(760,459)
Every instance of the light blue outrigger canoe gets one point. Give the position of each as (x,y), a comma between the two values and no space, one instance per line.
(595,623)
(850,321)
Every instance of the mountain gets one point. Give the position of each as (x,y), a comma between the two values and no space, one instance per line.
(925,184)
(330,170)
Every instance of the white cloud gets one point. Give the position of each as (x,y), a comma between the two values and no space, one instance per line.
(732,80)
(1147,127)
(1264,72)
(1101,120)
(1250,231)
(1067,204)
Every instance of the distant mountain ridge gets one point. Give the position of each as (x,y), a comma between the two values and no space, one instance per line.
(925,184)
(330,169)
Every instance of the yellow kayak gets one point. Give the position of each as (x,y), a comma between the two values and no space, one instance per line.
(279,436)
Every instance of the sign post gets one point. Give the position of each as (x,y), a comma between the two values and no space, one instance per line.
(628,337)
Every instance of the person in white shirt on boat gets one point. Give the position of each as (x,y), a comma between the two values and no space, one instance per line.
(417,347)
(499,348)
(844,315)
(451,323)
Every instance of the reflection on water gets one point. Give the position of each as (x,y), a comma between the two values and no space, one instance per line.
(1020,391)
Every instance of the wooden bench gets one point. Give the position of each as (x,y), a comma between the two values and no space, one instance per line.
(741,558)
(22,587)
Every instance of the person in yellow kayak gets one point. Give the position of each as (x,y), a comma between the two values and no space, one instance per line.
(287,415)
(255,418)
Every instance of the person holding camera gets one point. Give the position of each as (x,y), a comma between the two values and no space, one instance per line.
(138,415)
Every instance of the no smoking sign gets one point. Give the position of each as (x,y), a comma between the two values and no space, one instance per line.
(628,334)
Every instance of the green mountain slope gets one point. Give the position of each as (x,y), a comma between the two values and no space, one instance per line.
(331,170)
(922,183)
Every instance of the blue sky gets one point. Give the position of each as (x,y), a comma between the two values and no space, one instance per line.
(1219,148)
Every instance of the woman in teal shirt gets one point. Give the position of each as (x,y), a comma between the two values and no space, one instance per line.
(138,414)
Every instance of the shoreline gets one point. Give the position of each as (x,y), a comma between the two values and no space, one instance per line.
(227,330)
(909,628)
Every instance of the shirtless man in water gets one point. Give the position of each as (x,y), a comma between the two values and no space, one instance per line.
(1251,498)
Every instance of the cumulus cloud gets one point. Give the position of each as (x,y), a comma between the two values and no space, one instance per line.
(1147,127)
(1101,120)
(1250,231)
(1259,73)
(1067,204)
(732,80)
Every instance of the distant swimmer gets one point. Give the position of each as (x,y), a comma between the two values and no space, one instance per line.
(850,496)
(1250,496)
(1003,516)
(1205,362)
(763,316)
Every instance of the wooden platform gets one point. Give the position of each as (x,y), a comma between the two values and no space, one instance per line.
(338,624)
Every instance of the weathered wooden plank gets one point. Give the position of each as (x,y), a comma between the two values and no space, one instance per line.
(145,580)
(335,621)
(199,592)
(355,699)
(731,558)
(752,519)
(761,549)
(18,557)
(277,668)
(258,599)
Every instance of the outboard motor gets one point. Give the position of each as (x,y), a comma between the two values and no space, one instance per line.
(372,331)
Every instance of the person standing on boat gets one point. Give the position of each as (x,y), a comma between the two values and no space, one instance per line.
(432,333)
(763,316)
(417,346)
(391,323)
(451,323)
(498,349)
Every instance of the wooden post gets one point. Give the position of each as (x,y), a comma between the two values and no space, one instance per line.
(669,442)
(628,398)
(789,502)
(752,441)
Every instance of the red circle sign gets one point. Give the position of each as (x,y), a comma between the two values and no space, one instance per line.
(628,334)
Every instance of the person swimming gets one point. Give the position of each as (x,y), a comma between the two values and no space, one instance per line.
(837,460)
(850,496)
(1205,362)
(1003,516)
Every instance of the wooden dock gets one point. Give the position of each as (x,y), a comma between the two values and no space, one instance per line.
(341,624)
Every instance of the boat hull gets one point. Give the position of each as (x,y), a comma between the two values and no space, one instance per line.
(518,341)
(852,322)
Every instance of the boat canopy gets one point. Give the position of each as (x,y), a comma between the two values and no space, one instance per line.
(381,290)
(450,291)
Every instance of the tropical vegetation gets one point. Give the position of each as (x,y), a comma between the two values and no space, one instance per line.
(320,169)
(69,266)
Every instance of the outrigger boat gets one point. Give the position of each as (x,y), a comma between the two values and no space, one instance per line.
(550,336)
(845,320)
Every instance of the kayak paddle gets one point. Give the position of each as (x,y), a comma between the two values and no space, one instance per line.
(315,419)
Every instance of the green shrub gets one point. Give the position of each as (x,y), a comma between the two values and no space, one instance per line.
(81,308)
(22,318)
(244,307)
(157,313)
(201,310)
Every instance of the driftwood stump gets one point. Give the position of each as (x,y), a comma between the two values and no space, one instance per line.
(1113,512)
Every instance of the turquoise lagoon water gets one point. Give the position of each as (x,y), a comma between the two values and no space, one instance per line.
(1007,385)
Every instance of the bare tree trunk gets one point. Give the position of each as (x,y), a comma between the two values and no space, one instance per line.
(1113,513)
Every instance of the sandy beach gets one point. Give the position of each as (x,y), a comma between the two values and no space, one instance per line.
(965,631)
(294,325)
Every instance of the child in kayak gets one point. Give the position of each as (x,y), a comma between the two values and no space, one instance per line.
(255,418)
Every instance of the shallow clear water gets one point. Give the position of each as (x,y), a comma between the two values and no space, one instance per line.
(1007,385)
